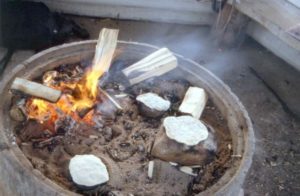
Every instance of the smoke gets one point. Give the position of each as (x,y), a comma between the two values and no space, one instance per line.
(194,42)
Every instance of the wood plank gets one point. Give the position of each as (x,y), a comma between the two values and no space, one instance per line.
(277,46)
(171,11)
(278,16)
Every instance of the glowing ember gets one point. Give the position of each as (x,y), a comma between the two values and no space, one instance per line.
(78,96)
(84,96)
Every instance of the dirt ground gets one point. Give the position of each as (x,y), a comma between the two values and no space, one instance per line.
(276,163)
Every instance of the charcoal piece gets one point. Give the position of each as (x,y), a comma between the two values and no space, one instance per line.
(172,90)
(50,144)
(84,111)
(33,130)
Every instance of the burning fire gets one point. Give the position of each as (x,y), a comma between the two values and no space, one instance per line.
(84,96)
(79,97)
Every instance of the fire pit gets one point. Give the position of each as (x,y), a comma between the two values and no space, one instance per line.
(224,115)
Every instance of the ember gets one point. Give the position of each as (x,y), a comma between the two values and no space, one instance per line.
(44,111)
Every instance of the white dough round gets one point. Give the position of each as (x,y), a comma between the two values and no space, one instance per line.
(153,101)
(88,170)
(185,129)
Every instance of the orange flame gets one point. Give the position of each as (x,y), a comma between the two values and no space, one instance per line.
(91,83)
(84,96)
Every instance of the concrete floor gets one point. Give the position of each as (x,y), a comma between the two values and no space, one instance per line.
(276,164)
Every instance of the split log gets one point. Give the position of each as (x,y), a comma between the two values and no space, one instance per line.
(156,64)
(84,111)
(105,49)
(36,89)
(194,102)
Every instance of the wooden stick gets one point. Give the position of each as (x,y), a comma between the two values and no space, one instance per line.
(156,64)
(105,49)
(36,89)
(111,99)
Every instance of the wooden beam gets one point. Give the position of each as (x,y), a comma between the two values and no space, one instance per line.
(171,11)
(277,46)
(277,16)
